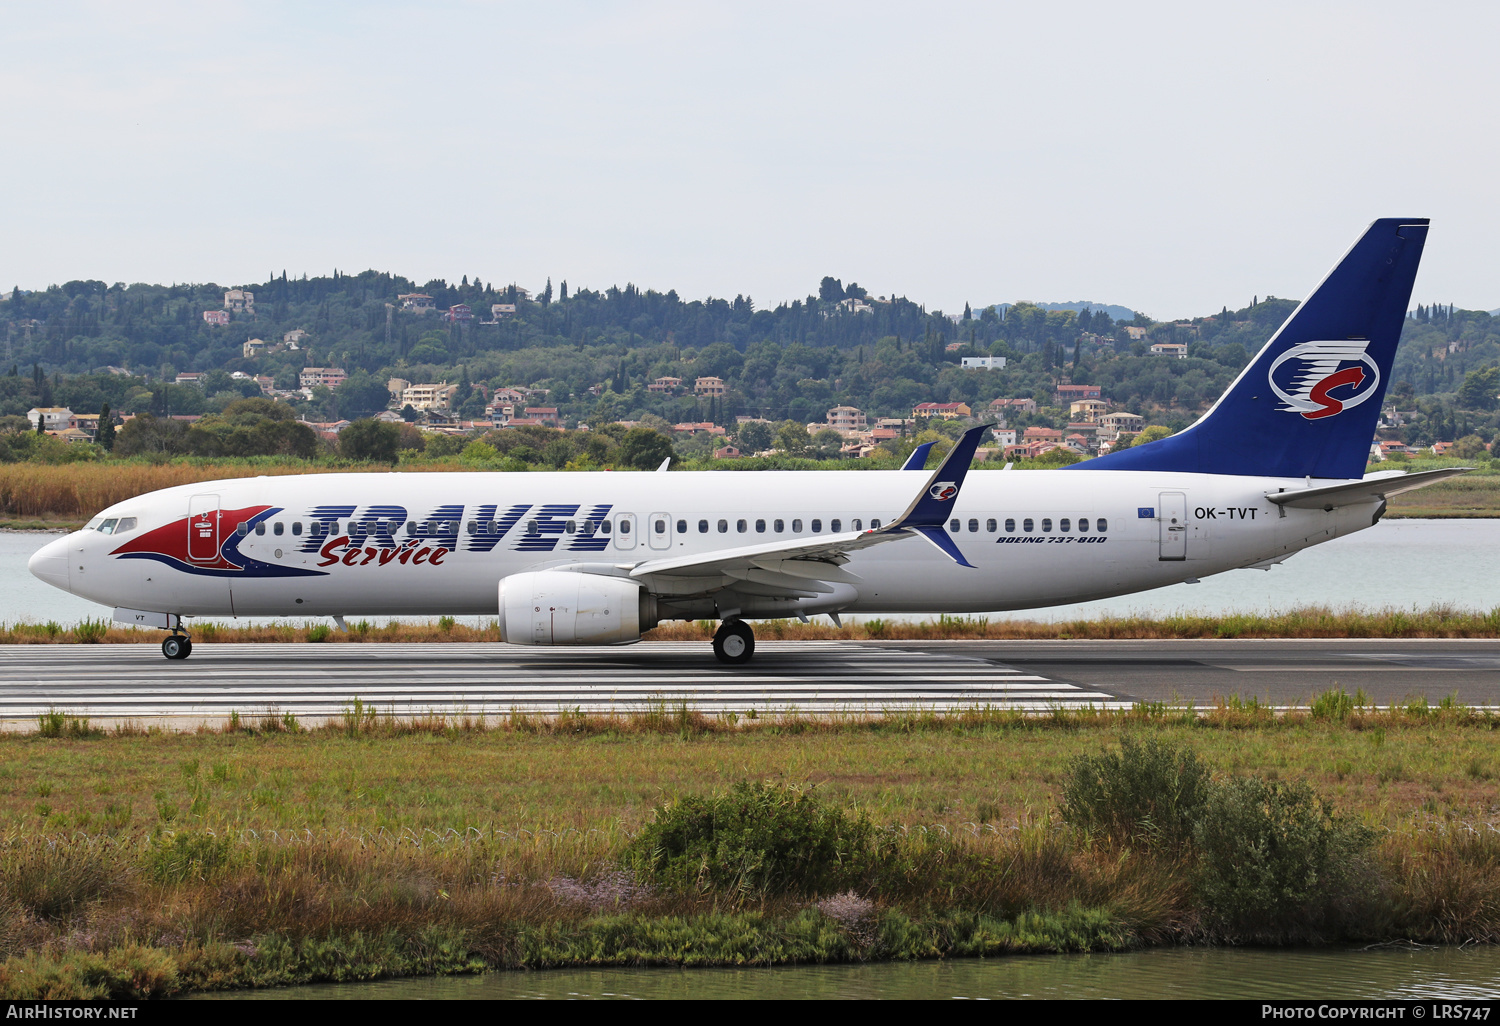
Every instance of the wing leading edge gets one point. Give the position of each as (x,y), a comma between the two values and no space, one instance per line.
(808,567)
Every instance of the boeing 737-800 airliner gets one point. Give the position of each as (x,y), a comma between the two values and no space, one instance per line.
(597,558)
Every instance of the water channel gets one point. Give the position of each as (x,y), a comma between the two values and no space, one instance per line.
(1245,973)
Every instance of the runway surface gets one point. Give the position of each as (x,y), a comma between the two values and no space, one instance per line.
(1283,672)
(112,682)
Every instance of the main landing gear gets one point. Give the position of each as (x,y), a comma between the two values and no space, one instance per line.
(177,646)
(734,643)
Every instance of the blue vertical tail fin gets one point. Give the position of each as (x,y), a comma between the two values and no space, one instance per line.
(1307,405)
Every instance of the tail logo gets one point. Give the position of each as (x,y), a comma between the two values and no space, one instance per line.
(1306,377)
(943,491)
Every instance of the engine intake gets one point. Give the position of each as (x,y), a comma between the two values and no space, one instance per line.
(559,607)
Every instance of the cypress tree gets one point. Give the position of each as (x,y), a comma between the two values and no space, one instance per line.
(106,435)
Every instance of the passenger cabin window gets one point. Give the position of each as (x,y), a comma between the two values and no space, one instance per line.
(835,526)
(853,525)
(604,527)
(703,527)
(741,526)
(954,526)
(874,525)
(796,527)
(279,529)
(778,526)
(624,526)
(1010,526)
(817,525)
(659,526)
(973,527)
(297,528)
(260,528)
(243,529)
(723,527)
(760,527)
(1083,523)
(1101,525)
(1065,524)
(989,525)
(571,527)
(1046,523)
(1027,525)
(682,527)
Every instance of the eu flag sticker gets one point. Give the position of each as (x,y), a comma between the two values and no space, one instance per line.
(1145,512)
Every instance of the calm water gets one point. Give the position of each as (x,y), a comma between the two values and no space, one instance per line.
(1399,563)
(1450,973)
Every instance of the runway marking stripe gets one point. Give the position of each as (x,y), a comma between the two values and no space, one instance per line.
(479,678)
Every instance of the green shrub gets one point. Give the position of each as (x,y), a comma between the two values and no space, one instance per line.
(186,856)
(318,632)
(1272,856)
(1336,704)
(1148,792)
(90,632)
(55,724)
(759,838)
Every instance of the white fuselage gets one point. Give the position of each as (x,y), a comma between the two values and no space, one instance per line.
(439,543)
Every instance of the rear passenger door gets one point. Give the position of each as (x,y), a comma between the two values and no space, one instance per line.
(1172,522)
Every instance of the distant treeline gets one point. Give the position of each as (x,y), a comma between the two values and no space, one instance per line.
(596,351)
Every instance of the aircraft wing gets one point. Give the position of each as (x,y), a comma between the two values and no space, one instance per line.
(803,567)
(1372,488)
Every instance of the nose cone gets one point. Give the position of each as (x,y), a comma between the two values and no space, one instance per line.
(50,563)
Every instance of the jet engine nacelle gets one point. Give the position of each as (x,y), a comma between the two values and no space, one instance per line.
(559,607)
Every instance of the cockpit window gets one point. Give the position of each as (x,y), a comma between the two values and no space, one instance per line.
(125,524)
(93,525)
(108,527)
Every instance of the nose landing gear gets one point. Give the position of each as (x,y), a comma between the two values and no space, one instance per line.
(734,643)
(177,646)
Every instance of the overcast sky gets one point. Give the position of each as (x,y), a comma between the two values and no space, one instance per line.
(1174,158)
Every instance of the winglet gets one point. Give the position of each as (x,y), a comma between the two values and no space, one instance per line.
(945,544)
(918,458)
(934,504)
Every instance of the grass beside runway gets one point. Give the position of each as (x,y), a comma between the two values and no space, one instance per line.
(271,853)
(1307,622)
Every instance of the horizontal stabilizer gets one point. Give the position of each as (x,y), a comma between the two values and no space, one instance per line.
(1371,489)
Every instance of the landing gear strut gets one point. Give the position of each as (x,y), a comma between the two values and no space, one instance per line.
(734,643)
(177,646)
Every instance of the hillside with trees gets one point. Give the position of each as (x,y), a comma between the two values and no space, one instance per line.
(85,344)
